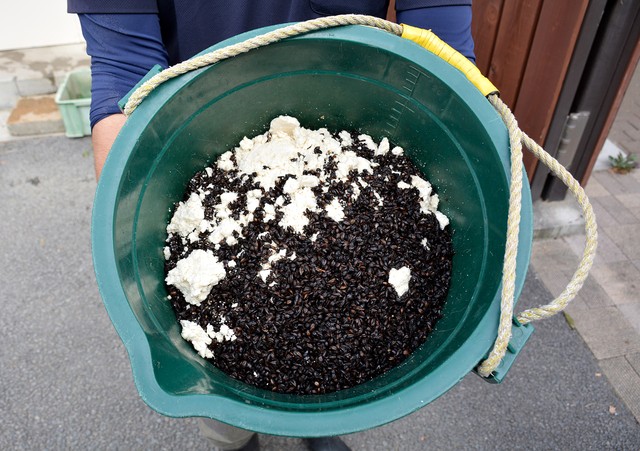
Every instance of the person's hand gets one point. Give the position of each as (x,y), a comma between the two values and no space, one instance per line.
(103,135)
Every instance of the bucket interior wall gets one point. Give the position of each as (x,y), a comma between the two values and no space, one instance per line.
(341,86)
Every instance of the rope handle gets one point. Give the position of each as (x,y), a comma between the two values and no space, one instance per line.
(517,139)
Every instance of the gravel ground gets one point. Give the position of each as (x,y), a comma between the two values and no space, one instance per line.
(65,380)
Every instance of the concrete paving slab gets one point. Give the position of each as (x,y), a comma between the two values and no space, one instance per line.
(620,281)
(36,115)
(629,200)
(616,183)
(69,385)
(595,189)
(555,282)
(626,238)
(606,332)
(631,313)
(607,252)
(617,209)
(625,380)
(629,182)
(634,361)
(603,217)
(553,252)
(593,295)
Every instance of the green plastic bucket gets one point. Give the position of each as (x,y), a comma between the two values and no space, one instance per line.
(353,78)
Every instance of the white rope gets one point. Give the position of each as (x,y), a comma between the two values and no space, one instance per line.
(517,138)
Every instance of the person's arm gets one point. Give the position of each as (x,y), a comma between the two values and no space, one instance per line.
(103,134)
(451,23)
(123,47)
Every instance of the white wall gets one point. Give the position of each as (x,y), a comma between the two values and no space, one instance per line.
(37,23)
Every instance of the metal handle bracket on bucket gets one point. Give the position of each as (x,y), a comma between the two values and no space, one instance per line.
(489,368)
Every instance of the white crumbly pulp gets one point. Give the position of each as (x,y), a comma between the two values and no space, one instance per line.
(400,278)
(201,339)
(195,275)
(335,210)
(188,217)
(198,337)
(286,152)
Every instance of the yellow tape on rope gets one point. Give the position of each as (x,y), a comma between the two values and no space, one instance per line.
(437,46)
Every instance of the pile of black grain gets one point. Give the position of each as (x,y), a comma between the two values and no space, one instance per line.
(332,320)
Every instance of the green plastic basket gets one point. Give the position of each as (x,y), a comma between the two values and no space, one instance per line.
(74,100)
(353,78)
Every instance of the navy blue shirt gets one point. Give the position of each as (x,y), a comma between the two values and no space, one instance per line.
(125,39)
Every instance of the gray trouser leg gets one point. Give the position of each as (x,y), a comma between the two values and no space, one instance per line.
(222,435)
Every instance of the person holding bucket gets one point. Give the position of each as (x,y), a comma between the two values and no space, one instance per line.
(126,39)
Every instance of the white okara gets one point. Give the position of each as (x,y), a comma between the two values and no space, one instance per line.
(334,210)
(198,337)
(195,275)
(399,278)
(294,213)
(187,216)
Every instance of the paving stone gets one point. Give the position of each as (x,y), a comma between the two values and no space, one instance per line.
(554,281)
(575,305)
(620,280)
(634,361)
(606,252)
(633,133)
(595,189)
(608,179)
(626,120)
(631,313)
(628,145)
(34,116)
(627,238)
(603,217)
(617,209)
(606,332)
(590,296)
(630,184)
(593,295)
(629,200)
(625,381)
(553,252)
(8,94)
(36,87)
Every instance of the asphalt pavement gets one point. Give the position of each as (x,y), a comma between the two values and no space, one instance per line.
(65,379)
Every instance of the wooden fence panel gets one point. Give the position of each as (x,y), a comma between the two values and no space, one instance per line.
(513,43)
(555,38)
(484,28)
(526,54)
